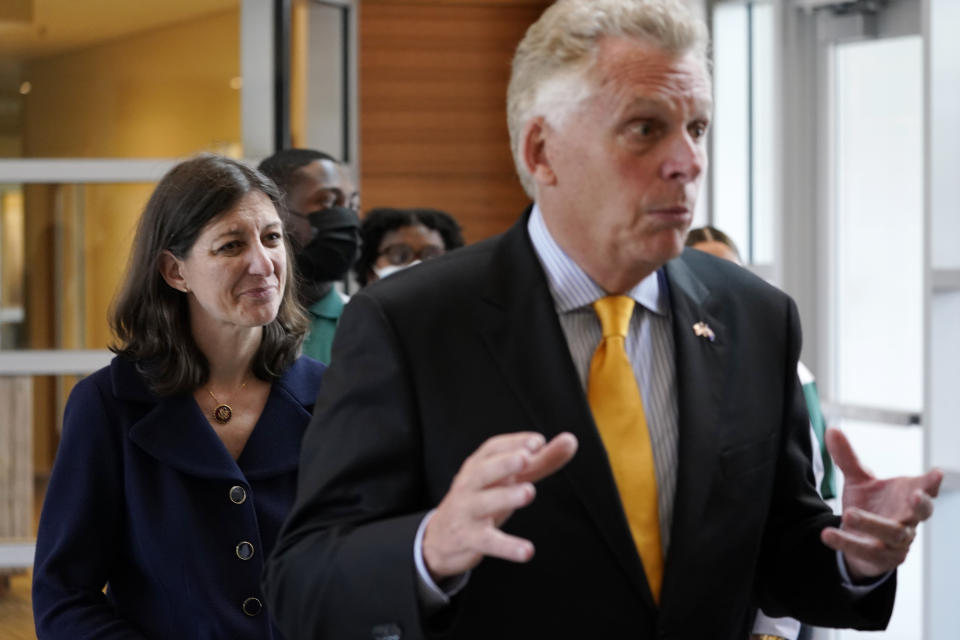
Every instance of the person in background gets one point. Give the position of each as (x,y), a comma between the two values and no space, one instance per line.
(322,204)
(178,461)
(717,243)
(577,429)
(394,239)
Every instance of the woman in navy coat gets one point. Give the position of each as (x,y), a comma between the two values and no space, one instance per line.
(178,461)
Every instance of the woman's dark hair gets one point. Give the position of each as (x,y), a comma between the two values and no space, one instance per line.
(380,221)
(711,234)
(151,319)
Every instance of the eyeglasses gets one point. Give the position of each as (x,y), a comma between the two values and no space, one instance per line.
(400,254)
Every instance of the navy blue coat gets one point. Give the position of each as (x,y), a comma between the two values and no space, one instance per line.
(145,498)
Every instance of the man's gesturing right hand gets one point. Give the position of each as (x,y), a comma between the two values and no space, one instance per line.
(492,483)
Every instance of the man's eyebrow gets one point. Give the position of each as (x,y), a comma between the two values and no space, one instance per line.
(700,105)
(705,105)
(646,102)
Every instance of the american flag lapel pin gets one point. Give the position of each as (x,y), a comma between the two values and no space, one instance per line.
(703,330)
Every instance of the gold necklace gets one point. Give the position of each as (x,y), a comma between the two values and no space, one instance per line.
(223,412)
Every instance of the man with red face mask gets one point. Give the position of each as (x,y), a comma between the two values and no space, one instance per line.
(322,222)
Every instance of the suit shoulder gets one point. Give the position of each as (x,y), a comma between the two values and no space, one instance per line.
(454,275)
(91,409)
(100,383)
(303,378)
(726,279)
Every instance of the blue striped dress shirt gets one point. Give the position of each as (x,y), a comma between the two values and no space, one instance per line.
(649,347)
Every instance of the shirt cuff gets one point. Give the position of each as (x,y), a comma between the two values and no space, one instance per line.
(859,589)
(433,597)
(781,627)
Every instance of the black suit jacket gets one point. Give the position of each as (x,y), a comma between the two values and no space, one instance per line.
(430,363)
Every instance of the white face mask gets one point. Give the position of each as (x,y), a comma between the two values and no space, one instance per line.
(389,270)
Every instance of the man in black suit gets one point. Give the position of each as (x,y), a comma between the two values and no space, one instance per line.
(459,478)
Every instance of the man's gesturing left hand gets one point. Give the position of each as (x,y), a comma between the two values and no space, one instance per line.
(492,483)
(880,516)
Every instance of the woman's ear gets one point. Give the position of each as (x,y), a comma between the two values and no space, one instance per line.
(535,155)
(171,269)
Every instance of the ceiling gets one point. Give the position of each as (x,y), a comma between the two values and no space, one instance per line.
(62,25)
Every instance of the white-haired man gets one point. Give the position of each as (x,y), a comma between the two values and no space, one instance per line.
(651,396)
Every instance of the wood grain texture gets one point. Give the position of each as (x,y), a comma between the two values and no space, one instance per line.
(484,205)
(16,612)
(433,79)
(16,457)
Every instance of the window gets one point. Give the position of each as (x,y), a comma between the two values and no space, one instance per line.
(742,159)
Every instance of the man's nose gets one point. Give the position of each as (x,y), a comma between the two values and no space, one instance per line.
(684,158)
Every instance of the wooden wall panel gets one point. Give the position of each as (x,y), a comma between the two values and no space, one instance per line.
(484,204)
(433,78)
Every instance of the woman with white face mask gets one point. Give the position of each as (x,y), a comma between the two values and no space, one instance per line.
(396,239)
(178,461)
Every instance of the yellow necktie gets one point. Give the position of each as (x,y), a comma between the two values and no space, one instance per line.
(618,413)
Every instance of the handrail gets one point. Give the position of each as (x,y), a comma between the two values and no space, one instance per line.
(16,553)
(863,413)
(53,362)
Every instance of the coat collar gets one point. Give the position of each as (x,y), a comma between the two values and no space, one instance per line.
(571,287)
(174,431)
(699,362)
(329,306)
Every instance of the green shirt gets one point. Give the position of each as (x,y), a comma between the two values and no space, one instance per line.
(828,488)
(828,485)
(324,316)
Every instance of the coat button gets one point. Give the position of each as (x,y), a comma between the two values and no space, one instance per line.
(388,631)
(252,606)
(244,550)
(237,494)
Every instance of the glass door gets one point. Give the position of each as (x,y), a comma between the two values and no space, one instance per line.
(877,271)
(867,100)
(876,341)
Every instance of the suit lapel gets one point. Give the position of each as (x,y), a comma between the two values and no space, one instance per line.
(698,382)
(520,327)
(176,433)
(274,446)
